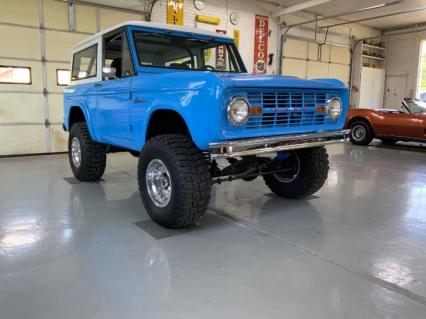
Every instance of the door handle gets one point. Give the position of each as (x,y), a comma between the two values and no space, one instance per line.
(98,85)
(139,101)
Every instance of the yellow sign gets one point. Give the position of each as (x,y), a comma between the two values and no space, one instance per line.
(237,38)
(207,19)
(175,12)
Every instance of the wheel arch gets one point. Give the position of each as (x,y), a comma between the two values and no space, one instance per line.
(76,114)
(166,121)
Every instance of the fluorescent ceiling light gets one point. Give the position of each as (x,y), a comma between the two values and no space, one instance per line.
(300,6)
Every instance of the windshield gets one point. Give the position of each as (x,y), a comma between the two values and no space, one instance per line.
(416,107)
(175,52)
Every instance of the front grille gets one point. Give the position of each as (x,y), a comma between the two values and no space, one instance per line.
(286,108)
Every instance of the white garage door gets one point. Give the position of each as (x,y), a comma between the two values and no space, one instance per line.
(32,60)
(309,60)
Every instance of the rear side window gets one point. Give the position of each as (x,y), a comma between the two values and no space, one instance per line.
(84,63)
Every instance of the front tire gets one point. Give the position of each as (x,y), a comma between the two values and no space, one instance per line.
(174,180)
(87,157)
(361,133)
(308,176)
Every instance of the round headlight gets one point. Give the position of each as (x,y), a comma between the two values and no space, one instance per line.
(334,108)
(238,110)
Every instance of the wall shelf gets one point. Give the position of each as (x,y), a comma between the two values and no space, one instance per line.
(368,75)
(373,57)
(373,46)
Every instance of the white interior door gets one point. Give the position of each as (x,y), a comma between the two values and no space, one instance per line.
(395,90)
(372,88)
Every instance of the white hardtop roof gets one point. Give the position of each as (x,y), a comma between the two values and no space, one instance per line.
(153,25)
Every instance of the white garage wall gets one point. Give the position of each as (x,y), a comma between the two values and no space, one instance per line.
(26,109)
(402,66)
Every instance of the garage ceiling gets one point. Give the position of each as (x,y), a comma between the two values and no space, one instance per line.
(332,7)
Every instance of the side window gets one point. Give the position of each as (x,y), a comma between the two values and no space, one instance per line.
(117,55)
(15,74)
(128,68)
(62,77)
(84,63)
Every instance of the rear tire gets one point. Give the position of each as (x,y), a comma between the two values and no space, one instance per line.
(361,133)
(87,157)
(308,177)
(174,180)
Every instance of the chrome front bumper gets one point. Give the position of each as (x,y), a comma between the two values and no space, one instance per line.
(238,148)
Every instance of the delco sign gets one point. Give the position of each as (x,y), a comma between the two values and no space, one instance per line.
(261,30)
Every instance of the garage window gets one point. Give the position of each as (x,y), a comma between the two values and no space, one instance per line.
(62,77)
(421,88)
(15,74)
(84,63)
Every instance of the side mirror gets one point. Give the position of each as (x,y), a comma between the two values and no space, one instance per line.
(109,72)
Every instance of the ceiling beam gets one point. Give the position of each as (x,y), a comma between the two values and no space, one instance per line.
(299,7)
(379,6)
(375,17)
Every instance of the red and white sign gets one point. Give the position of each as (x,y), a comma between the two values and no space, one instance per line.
(221,55)
(261,30)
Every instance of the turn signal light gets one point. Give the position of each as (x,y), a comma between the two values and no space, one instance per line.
(256,110)
(320,109)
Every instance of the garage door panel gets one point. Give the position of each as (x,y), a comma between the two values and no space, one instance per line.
(21,107)
(56,109)
(294,67)
(58,139)
(85,18)
(340,72)
(112,17)
(325,53)
(340,55)
(23,139)
(317,70)
(20,12)
(295,49)
(56,14)
(36,76)
(312,51)
(67,40)
(52,81)
(19,42)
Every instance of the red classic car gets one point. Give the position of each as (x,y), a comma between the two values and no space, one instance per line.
(389,125)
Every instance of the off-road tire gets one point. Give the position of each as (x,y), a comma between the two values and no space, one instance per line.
(190,180)
(369,134)
(312,174)
(93,154)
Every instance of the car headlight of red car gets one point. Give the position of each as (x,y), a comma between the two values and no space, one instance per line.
(334,108)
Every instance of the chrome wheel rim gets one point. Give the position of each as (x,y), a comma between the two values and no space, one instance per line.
(158,183)
(288,178)
(358,133)
(76,152)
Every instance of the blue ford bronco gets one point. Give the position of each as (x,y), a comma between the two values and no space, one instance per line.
(181,100)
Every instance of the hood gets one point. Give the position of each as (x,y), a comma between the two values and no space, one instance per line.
(247,80)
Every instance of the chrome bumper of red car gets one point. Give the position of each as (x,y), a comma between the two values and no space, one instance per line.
(245,147)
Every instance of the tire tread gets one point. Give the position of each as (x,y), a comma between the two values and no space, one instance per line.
(193,172)
(93,154)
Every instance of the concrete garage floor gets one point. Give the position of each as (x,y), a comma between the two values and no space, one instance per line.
(357,249)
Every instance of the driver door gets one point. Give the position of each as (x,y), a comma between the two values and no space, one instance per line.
(399,124)
(113,94)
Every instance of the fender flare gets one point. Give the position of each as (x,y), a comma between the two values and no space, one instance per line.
(87,116)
